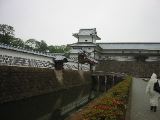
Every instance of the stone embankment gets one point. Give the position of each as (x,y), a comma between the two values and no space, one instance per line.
(36,93)
(138,69)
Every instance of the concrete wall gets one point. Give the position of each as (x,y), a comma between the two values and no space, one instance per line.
(34,93)
(139,69)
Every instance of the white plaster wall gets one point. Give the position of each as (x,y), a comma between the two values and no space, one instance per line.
(118,58)
(131,51)
(74,66)
(97,56)
(24,55)
(124,58)
(74,57)
(88,49)
(153,58)
(88,38)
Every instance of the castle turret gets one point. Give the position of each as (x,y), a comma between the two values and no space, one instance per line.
(86,42)
(87,36)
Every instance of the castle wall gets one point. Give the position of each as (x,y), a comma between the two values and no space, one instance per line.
(139,69)
(20,58)
(34,93)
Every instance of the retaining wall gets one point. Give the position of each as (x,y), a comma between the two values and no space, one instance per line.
(139,69)
(35,93)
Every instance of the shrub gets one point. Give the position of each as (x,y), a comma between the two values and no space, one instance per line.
(112,105)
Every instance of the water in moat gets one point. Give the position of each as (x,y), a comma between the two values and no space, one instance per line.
(55,105)
(52,106)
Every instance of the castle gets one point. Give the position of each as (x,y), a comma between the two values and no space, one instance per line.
(113,51)
(87,42)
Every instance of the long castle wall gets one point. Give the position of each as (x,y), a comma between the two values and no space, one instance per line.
(24,58)
(10,56)
(139,69)
(34,93)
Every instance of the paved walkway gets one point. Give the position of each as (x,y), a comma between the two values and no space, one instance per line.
(140,109)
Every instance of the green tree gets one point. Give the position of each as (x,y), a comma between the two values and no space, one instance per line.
(36,45)
(43,47)
(58,49)
(17,42)
(6,33)
(32,44)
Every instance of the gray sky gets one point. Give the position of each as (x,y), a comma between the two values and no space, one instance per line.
(55,20)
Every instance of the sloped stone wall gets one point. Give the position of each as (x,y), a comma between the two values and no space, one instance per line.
(18,83)
(138,69)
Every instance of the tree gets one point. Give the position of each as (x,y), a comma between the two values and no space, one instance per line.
(6,33)
(36,45)
(7,37)
(31,44)
(58,49)
(43,47)
(17,42)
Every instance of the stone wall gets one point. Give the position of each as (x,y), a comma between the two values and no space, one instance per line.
(139,69)
(18,83)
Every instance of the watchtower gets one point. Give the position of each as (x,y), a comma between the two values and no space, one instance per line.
(86,42)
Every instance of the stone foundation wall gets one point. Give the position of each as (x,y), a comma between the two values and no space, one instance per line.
(18,83)
(138,69)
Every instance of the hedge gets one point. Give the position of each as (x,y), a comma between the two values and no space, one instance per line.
(112,105)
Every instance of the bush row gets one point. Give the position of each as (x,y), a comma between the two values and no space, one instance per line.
(112,105)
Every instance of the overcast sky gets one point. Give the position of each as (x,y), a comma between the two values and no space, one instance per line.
(55,20)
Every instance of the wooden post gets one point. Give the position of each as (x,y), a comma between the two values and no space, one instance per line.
(78,61)
(90,67)
(105,83)
(81,67)
(78,65)
(98,84)
(113,80)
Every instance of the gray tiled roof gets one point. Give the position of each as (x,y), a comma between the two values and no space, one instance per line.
(92,32)
(5,46)
(141,46)
(60,57)
(87,31)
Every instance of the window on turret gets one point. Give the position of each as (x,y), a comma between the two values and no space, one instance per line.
(86,40)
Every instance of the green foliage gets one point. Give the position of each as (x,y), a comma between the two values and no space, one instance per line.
(43,46)
(17,42)
(7,37)
(36,45)
(111,106)
(32,44)
(58,49)
(6,33)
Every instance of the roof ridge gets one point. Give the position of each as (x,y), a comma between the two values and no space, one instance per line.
(130,43)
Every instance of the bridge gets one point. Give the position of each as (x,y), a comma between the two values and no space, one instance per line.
(105,80)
